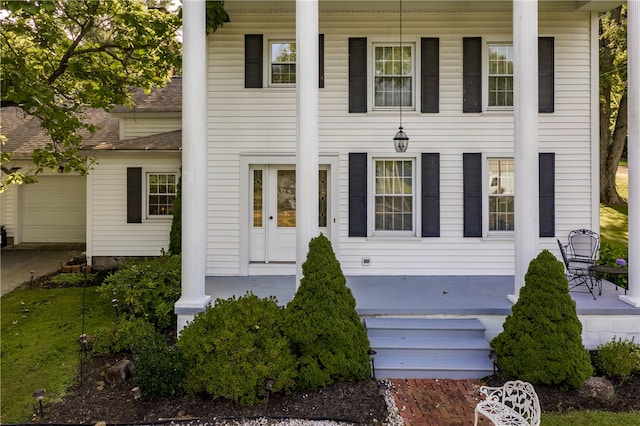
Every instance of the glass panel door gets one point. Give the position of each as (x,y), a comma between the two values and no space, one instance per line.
(273,211)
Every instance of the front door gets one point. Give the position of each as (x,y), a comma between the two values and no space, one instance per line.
(273,207)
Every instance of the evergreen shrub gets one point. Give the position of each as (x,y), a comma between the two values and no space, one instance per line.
(72,279)
(158,367)
(175,235)
(234,346)
(123,336)
(146,289)
(541,340)
(322,324)
(619,358)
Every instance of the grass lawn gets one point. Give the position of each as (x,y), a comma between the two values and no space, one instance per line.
(591,418)
(614,224)
(39,347)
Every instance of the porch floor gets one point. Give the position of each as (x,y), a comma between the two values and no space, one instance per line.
(420,295)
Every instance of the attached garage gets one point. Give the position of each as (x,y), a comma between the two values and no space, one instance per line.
(54,210)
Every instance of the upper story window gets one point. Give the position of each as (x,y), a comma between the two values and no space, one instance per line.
(501,191)
(161,193)
(393,76)
(500,75)
(394,195)
(282,62)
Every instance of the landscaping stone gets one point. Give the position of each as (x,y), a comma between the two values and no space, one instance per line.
(598,387)
(119,372)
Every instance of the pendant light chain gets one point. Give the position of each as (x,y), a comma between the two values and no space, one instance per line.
(401,139)
(401,67)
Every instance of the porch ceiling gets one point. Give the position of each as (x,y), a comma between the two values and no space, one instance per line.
(408,6)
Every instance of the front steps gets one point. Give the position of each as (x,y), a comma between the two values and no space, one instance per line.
(429,348)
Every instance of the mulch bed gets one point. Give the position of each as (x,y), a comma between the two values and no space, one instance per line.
(94,400)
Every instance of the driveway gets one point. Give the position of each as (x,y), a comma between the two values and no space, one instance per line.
(19,263)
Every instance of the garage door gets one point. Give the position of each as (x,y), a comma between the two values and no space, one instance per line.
(54,210)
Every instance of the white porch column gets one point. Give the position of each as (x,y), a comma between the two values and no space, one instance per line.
(194,162)
(307,157)
(633,150)
(525,130)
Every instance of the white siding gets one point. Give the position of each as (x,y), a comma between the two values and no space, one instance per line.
(8,208)
(142,125)
(109,233)
(251,121)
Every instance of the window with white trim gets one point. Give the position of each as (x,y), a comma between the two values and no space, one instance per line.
(501,191)
(393,76)
(500,75)
(394,201)
(161,194)
(282,63)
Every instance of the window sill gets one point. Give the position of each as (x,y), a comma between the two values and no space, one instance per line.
(499,236)
(395,238)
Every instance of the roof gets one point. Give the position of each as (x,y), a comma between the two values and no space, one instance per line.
(24,133)
(161,99)
(169,141)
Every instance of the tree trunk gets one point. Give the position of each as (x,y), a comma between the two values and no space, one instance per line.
(611,148)
(612,138)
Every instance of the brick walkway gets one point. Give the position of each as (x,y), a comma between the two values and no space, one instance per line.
(437,402)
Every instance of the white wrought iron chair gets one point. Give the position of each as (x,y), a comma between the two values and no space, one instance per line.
(514,403)
(577,272)
(583,246)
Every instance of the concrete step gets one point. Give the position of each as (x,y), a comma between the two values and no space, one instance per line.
(465,347)
(424,327)
(437,348)
(433,368)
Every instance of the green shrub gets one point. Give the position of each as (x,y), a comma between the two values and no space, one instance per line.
(608,256)
(322,324)
(609,253)
(175,235)
(146,289)
(541,340)
(619,358)
(234,346)
(123,336)
(158,368)
(73,279)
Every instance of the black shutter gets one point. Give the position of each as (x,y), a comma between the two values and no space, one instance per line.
(472,74)
(358,74)
(430,195)
(253,61)
(546,74)
(134,194)
(357,194)
(547,201)
(472,190)
(321,60)
(430,74)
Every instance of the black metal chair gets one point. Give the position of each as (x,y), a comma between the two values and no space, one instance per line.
(577,272)
(583,246)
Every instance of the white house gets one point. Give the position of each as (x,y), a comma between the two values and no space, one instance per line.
(288,119)
(289,113)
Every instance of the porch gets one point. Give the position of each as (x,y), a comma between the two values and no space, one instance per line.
(419,295)
(439,327)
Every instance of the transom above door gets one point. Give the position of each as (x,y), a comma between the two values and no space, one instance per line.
(273,211)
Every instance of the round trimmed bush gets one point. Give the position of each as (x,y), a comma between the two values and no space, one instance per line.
(232,348)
